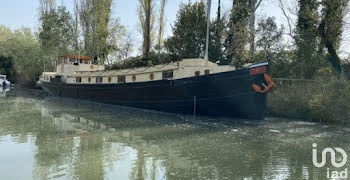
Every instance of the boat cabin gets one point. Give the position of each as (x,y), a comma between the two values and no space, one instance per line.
(68,64)
(3,77)
(73,69)
(175,70)
(4,81)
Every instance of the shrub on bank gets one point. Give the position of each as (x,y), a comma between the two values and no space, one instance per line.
(326,99)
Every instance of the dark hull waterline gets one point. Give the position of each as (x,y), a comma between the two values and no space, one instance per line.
(227,94)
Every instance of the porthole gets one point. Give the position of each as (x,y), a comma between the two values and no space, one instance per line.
(168,74)
(99,80)
(78,79)
(121,79)
(197,73)
(134,77)
(151,76)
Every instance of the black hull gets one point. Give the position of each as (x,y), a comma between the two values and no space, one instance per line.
(228,94)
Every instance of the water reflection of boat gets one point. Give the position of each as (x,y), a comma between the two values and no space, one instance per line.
(81,140)
(159,144)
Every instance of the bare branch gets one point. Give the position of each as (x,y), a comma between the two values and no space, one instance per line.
(258,4)
(283,8)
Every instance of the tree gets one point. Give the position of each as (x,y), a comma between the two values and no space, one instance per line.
(161,25)
(269,38)
(88,26)
(237,35)
(254,5)
(50,32)
(146,17)
(331,28)
(7,66)
(56,35)
(307,39)
(216,48)
(66,34)
(101,13)
(95,17)
(269,35)
(46,6)
(189,31)
(76,30)
(24,48)
(127,46)
(115,40)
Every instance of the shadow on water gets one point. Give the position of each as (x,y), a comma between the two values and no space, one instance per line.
(72,139)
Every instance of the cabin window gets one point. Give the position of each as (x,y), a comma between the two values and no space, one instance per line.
(197,73)
(121,79)
(89,79)
(78,79)
(151,76)
(134,77)
(168,74)
(207,72)
(99,79)
(109,79)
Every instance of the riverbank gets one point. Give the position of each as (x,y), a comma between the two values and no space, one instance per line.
(321,100)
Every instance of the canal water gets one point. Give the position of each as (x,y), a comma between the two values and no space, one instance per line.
(49,138)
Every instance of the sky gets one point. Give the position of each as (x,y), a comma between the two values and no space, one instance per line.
(18,13)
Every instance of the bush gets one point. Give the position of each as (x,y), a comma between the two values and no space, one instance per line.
(318,100)
(7,67)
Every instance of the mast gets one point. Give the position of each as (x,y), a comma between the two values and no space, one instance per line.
(206,57)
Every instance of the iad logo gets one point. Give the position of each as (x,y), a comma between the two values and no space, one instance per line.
(332,152)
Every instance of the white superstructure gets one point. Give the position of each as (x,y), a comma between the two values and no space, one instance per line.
(4,81)
(80,70)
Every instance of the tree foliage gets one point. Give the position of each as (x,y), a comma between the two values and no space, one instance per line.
(216,45)
(94,19)
(189,31)
(253,6)
(269,35)
(161,27)
(307,38)
(237,35)
(56,33)
(146,17)
(331,28)
(24,48)
(7,66)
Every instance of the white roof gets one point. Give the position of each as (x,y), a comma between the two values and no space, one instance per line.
(50,73)
(143,70)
